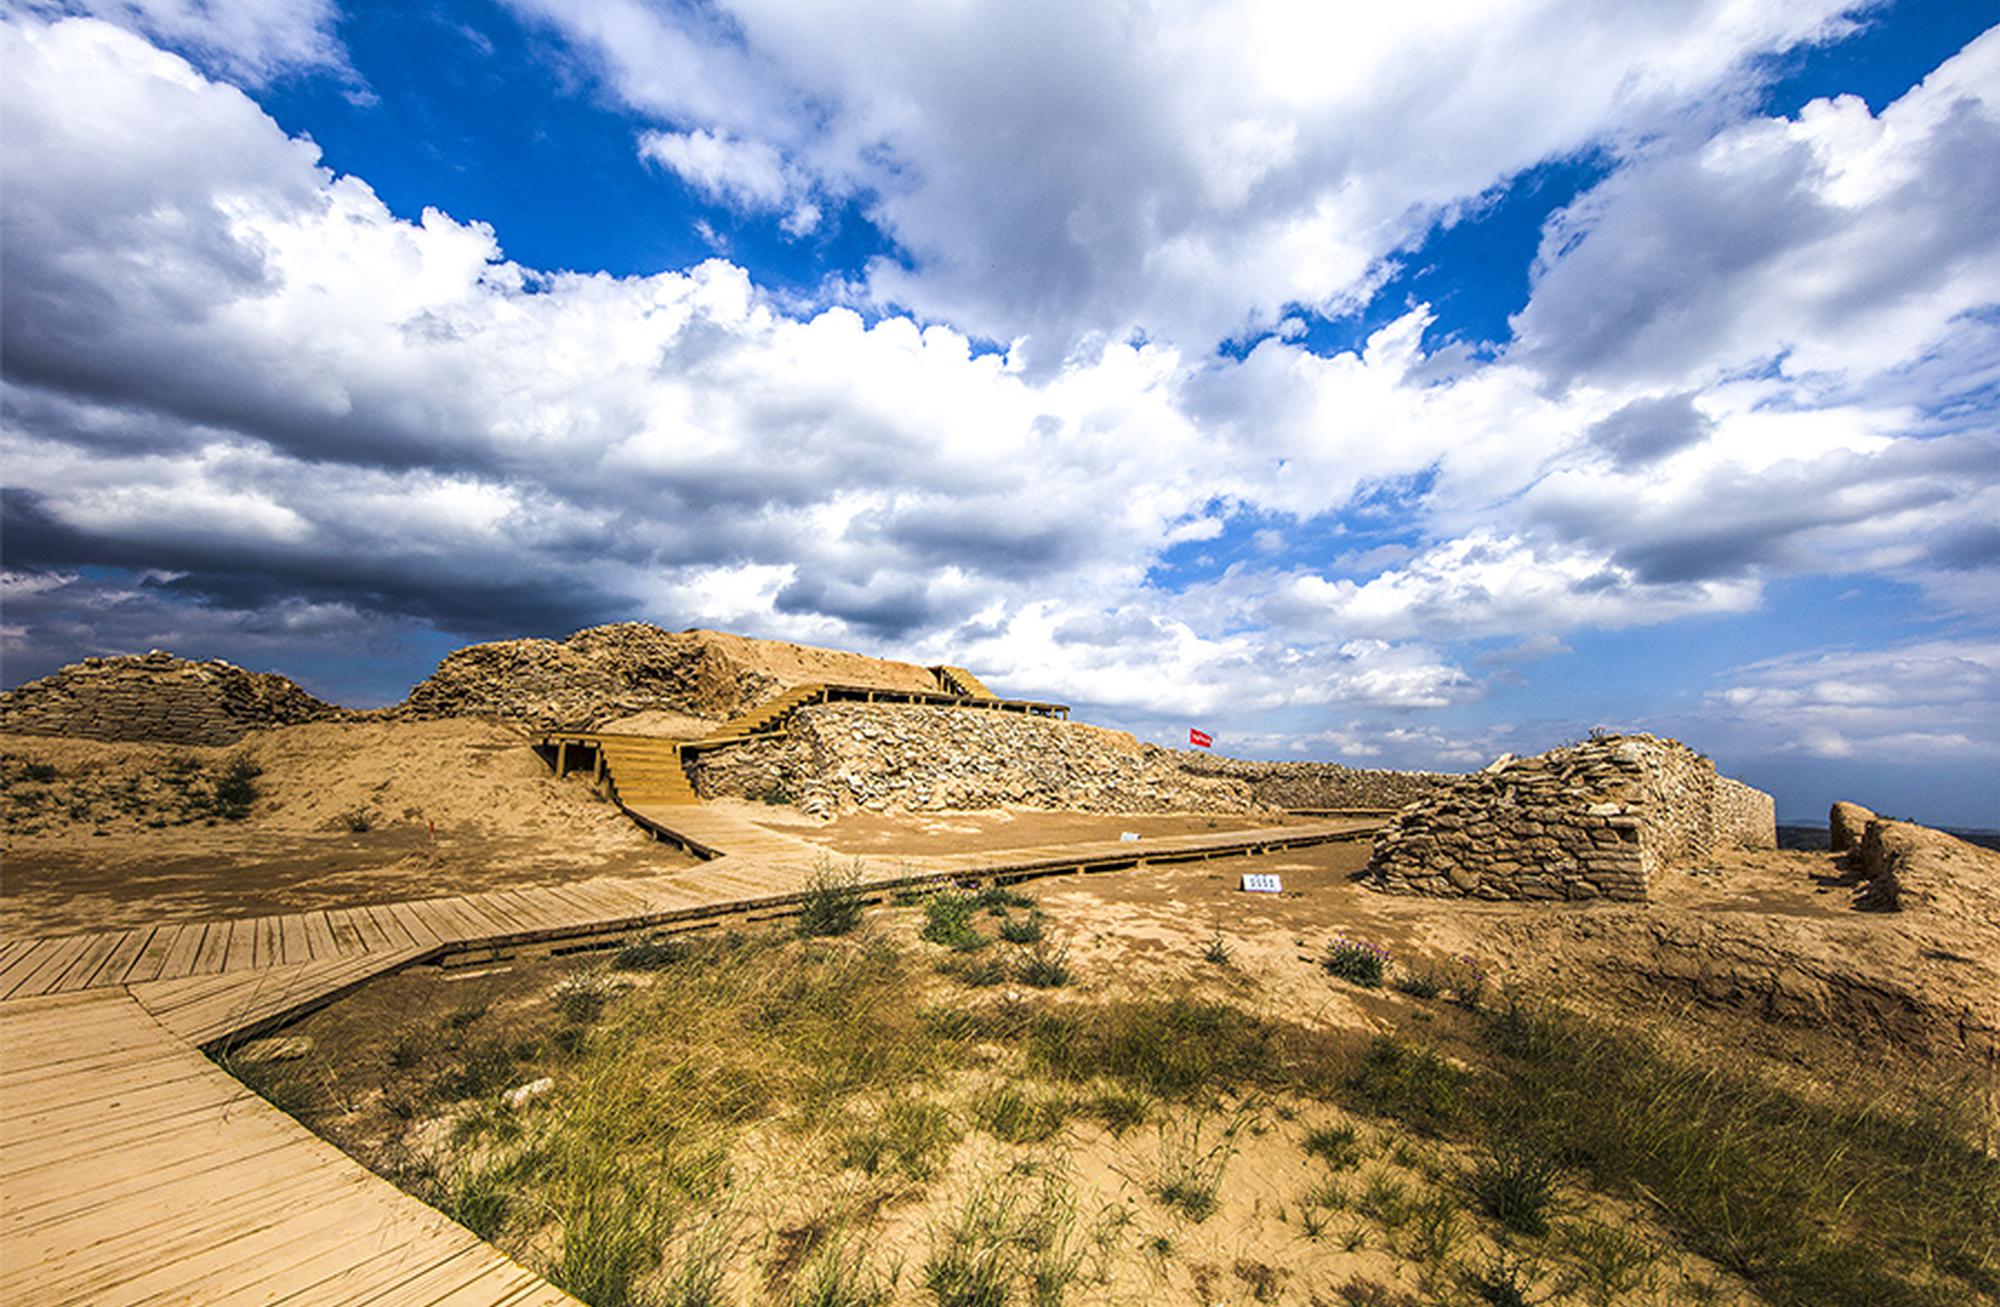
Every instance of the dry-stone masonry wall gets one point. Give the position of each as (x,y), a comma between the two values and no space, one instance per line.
(843,757)
(1315,784)
(1595,820)
(608,672)
(158,697)
(1745,816)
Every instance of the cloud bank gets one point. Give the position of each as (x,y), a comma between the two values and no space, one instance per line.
(1761,347)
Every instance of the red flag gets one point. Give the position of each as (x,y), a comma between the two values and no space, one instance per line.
(1199,739)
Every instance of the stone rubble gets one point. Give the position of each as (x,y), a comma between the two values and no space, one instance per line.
(609,672)
(846,757)
(160,698)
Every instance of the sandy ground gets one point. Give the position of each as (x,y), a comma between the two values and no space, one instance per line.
(449,807)
(911,834)
(1136,933)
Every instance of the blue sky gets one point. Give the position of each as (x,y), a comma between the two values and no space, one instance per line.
(1380,388)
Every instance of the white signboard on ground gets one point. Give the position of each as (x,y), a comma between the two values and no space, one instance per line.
(1128,837)
(1262,882)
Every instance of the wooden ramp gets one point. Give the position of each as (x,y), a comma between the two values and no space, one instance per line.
(135,1170)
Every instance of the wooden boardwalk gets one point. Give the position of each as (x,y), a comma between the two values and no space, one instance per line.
(135,1170)
(132,1169)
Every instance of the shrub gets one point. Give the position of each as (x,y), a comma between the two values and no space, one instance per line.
(1217,949)
(832,901)
(977,972)
(1356,961)
(357,820)
(998,898)
(39,773)
(1418,984)
(237,788)
(948,920)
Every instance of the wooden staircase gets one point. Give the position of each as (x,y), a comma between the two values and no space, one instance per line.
(641,770)
(646,770)
(959,681)
(765,717)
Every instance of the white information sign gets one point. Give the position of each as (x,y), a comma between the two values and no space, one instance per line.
(1128,837)
(1262,882)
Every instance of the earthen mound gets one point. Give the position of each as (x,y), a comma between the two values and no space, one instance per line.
(611,672)
(159,698)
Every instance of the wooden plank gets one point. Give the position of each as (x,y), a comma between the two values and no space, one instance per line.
(119,965)
(50,964)
(369,930)
(266,943)
(345,927)
(83,971)
(293,945)
(319,936)
(213,957)
(21,966)
(414,922)
(239,944)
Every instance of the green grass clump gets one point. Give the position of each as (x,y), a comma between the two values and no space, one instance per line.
(1015,1116)
(236,789)
(1191,1167)
(838,1276)
(1044,967)
(1022,930)
(832,901)
(1356,961)
(1181,1048)
(1013,1238)
(1411,1083)
(948,921)
(1517,1187)
(1339,1146)
(910,1135)
(1811,1202)
(978,972)
(654,953)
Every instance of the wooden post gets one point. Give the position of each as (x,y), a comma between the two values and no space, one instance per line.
(562,757)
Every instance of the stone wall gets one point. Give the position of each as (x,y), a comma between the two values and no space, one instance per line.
(1745,817)
(1316,784)
(1594,820)
(160,698)
(844,757)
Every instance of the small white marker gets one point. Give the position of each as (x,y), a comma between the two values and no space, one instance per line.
(1261,882)
(1128,837)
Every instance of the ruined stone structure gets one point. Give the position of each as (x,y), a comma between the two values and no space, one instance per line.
(1295,785)
(160,698)
(1596,820)
(846,757)
(608,672)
